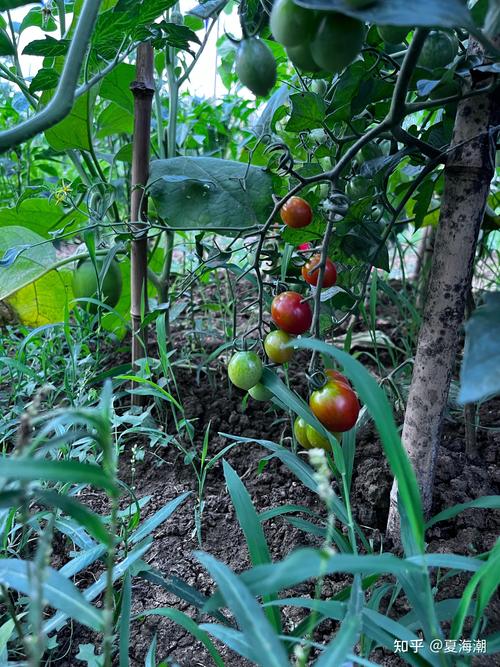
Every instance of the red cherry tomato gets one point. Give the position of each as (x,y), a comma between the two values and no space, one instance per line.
(305,246)
(296,213)
(311,274)
(336,406)
(290,313)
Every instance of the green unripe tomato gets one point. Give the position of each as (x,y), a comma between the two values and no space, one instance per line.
(290,24)
(316,439)
(359,187)
(85,283)
(256,66)
(370,151)
(301,57)
(299,431)
(337,42)
(319,86)
(439,50)
(245,369)
(260,392)
(393,34)
(275,346)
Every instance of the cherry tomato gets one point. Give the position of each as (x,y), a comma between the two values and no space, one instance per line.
(305,246)
(299,431)
(245,369)
(336,376)
(296,212)
(274,345)
(290,313)
(260,392)
(336,406)
(316,439)
(311,274)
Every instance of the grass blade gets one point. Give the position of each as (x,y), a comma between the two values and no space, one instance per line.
(58,591)
(188,624)
(268,651)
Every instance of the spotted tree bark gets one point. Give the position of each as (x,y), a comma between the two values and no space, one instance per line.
(468,172)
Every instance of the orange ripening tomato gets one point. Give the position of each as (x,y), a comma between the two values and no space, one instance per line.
(336,376)
(336,406)
(296,213)
(310,272)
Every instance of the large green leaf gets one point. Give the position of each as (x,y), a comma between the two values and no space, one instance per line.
(37,292)
(58,591)
(73,131)
(6,46)
(210,193)
(116,86)
(25,256)
(439,13)
(480,374)
(39,214)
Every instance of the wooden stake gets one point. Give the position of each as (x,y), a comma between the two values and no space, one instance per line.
(143,90)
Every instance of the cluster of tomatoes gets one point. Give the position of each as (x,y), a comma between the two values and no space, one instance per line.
(335,404)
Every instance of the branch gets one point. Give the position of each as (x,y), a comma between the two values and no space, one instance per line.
(61,104)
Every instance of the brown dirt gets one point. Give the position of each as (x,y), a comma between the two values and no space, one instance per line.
(458,480)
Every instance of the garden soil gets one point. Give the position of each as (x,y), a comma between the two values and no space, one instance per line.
(458,480)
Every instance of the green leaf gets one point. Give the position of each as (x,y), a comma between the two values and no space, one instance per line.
(210,193)
(59,619)
(46,47)
(73,131)
(116,86)
(124,625)
(308,112)
(379,408)
(430,13)
(39,214)
(58,591)
(24,469)
(233,639)
(251,526)
(267,649)
(85,517)
(113,121)
(6,46)
(158,518)
(45,79)
(480,373)
(188,624)
(307,563)
(206,10)
(342,644)
(36,18)
(486,502)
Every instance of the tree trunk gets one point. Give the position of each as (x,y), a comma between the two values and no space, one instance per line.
(468,172)
(143,91)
